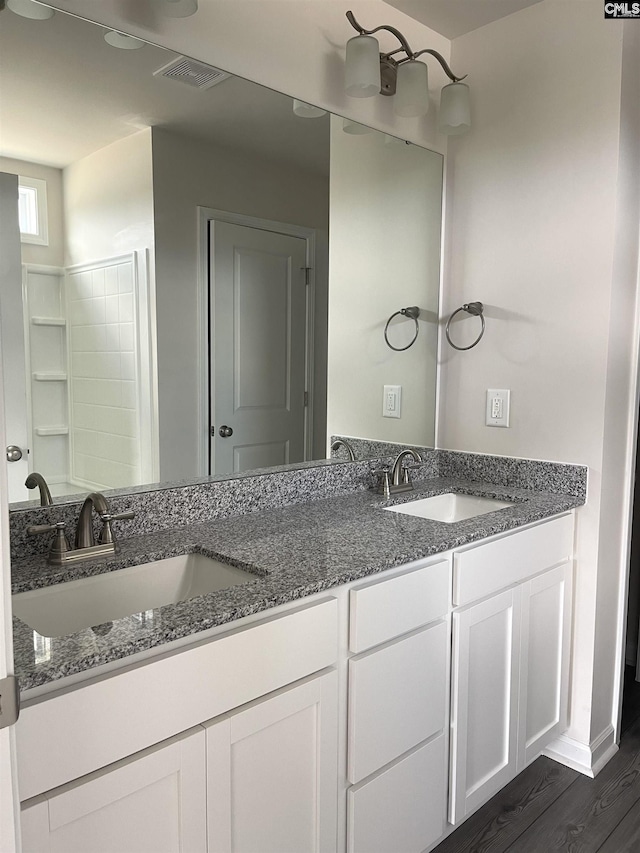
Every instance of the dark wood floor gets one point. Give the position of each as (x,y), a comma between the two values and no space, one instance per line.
(550,808)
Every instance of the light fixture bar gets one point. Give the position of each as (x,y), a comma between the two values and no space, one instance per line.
(410,54)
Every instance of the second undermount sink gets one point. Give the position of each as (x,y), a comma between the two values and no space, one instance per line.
(450,507)
(65,608)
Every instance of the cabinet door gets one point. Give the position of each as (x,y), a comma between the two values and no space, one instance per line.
(545,646)
(484,723)
(272,772)
(152,802)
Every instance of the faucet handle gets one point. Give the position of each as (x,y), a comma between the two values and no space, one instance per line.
(106,536)
(384,483)
(59,545)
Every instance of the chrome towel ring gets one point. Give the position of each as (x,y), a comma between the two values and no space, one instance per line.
(413,312)
(476,309)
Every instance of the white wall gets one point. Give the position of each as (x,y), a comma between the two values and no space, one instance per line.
(53,254)
(533,200)
(108,198)
(384,255)
(187,173)
(108,201)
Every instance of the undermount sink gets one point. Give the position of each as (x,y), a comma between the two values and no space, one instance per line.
(450,507)
(65,608)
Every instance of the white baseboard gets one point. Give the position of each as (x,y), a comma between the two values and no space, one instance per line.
(588,759)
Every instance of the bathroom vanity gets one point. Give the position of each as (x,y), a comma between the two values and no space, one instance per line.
(385,676)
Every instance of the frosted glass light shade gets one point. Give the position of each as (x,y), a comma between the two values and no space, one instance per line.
(122,41)
(354,127)
(454,117)
(29,9)
(305,110)
(362,68)
(412,89)
(178,8)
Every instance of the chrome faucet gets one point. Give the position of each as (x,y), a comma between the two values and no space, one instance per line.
(340,442)
(35,480)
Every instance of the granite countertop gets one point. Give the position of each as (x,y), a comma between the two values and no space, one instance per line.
(295,552)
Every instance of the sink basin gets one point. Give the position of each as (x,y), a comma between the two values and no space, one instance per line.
(450,507)
(65,608)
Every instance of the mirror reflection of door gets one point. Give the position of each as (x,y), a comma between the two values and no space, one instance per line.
(11,318)
(258,347)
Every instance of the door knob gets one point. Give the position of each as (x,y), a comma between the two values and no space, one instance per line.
(225,431)
(14,453)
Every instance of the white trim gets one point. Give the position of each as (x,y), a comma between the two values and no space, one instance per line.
(9,805)
(205,216)
(588,759)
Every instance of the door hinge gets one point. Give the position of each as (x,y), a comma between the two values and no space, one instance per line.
(9,701)
(307,275)
(212,431)
(306,398)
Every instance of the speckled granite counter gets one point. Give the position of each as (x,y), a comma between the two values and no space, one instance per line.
(295,551)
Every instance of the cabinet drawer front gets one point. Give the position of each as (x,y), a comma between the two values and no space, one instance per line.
(109,718)
(484,569)
(402,809)
(396,699)
(384,609)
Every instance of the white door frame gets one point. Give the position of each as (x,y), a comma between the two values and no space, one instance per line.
(9,805)
(205,216)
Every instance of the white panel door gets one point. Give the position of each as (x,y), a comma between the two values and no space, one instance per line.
(258,342)
(486,653)
(544,668)
(12,326)
(152,802)
(272,773)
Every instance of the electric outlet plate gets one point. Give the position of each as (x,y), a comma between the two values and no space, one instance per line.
(392,401)
(498,405)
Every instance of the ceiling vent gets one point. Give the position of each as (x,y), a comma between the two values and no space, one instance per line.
(192,73)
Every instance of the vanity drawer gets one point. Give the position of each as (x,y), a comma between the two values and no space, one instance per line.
(402,808)
(483,569)
(387,608)
(396,698)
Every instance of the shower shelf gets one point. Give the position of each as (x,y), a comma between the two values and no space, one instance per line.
(52,430)
(48,321)
(50,377)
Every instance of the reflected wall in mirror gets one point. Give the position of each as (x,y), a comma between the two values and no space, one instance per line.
(145,176)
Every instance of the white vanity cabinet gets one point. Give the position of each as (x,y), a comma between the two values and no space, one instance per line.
(263,750)
(510,657)
(397,710)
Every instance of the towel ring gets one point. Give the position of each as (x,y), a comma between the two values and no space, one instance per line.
(413,312)
(476,309)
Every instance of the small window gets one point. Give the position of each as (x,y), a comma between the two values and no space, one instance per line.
(32,211)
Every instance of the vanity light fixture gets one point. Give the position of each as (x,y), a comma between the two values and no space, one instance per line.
(369,72)
(30,9)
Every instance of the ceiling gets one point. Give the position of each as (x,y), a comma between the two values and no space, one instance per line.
(453,18)
(64,93)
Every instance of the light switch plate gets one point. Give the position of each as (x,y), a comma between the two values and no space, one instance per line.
(392,401)
(498,404)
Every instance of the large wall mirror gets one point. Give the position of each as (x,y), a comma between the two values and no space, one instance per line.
(217,273)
